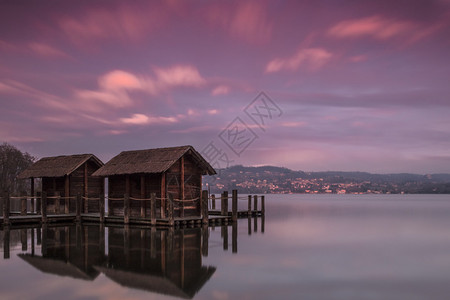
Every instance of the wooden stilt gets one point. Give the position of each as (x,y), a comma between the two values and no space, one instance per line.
(78,205)
(23,206)
(224,204)
(255,204)
(170,212)
(249,205)
(234,205)
(6,207)
(204,207)
(101,206)
(38,202)
(213,201)
(6,238)
(126,209)
(44,207)
(234,233)
(32,206)
(66,194)
(263,206)
(153,209)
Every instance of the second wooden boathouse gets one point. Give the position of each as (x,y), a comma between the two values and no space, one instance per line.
(66,176)
(173,171)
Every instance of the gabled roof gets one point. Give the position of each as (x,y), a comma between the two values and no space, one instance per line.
(158,283)
(151,161)
(58,267)
(58,166)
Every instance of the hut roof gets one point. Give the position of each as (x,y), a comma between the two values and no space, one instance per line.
(151,161)
(158,283)
(58,166)
(58,267)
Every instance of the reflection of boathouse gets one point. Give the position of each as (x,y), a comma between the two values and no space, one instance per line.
(167,262)
(176,171)
(171,264)
(70,251)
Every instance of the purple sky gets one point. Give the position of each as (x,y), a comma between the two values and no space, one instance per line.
(361,85)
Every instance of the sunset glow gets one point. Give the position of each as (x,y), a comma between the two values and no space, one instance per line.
(362,85)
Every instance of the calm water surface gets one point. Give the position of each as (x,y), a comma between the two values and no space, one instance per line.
(307,247)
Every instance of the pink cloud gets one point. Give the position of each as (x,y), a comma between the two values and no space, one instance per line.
(115,86)
(375,26)
(141,119)
(46,50)
(179,75)
(126,22)
(247,21)
(118,80)
(220,90)
(313,58)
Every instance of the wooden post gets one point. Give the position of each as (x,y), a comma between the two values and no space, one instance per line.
(234,205)
(263,221)
(234,235)
(86,189)
(182,196)
(153,242)
(204,206)
(57,202)
(143,196)
(38,202)
(126,244)
(126,209)
(78,205)
(6,238)
(170,212)
(101,206)
(205,240)
(249,213)
(263,206)
(44,241)
(24,239)
(213,201)
(224,204)
(225,237)
(255,204)
(6,205)
(153,208)
(66,194)
(23,206)
(32,207)
(44,207)
(163,195)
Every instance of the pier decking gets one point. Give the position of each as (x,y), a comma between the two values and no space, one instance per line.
(46,213)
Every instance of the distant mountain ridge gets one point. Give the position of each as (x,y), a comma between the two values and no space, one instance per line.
(272,179)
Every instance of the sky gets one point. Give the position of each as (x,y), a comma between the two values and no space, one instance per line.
(307,85)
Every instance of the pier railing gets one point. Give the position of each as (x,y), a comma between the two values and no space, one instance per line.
(42,207)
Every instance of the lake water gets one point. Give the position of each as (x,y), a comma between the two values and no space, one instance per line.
(306,247)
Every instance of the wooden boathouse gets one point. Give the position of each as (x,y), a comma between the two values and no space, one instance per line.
(174,172)
(64,177)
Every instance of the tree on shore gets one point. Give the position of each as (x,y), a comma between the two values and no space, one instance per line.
(12,163)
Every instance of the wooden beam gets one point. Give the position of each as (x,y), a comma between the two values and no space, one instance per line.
(163,195)
(127,185)
(182,178)
(86,189)
(143,195)
(66,194)
(182,185)
(32,194)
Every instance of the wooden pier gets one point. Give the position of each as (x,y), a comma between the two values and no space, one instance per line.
(43,209)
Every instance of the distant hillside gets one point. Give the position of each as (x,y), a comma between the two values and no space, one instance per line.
(271,179)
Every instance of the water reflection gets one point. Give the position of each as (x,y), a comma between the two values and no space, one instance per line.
(165,261)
